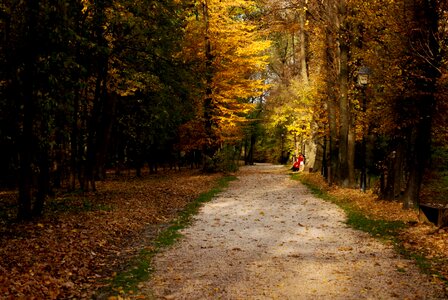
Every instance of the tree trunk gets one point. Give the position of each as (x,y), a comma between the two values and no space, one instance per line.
(75,136)
(209,79)
(421,154)
(345,141)
(249,159)
(394,178)
(43,182)
(27,139)
(57,164)
(74,153)
(320,148)
(105,130)
(332,109)
(303,47)
(95,130)
(324,171)
(423,32)
(351,145)
(209,147)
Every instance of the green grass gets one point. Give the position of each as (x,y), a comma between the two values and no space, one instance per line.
(139,269)
(386,230)
(377,228)
(75,204)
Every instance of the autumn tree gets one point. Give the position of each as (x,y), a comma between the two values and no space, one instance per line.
(405,50)
(234,60)
(289,100)
(426,59)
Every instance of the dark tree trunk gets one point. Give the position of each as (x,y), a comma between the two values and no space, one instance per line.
(105,130)
(250,155)
(138,171)
(345,138)
(57,166)
(75,134)
(318,161)
(412,192)
(425,21)
(26,173)
(209,148)
(27,139)
(95,131)
(303,46)
(420,155)
(152,160)
(246,150)
(74,142)
(43,182)
(324,171)
(333,166)
(393,171)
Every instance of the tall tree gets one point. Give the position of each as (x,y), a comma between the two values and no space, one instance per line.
(234,57)
(426,54)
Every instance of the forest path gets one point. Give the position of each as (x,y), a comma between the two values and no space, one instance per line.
(267,237)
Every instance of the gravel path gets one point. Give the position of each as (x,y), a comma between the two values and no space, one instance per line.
(267,237)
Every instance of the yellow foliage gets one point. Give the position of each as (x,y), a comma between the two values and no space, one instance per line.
(291,107)
(239,58)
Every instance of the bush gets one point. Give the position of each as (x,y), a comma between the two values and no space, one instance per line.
(226,159)
(439,159)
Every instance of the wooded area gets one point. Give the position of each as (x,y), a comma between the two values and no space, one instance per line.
(99,89)
(90,86)
(390,126)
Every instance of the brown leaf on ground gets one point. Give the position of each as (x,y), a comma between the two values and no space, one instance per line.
(83,238)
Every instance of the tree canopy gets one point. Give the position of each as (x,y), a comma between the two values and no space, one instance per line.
(383,128)
(90,85)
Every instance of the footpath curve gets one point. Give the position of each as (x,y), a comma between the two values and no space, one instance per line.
(267,237)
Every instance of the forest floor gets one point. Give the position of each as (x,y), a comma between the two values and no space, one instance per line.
(268,237)
(84,240)
(264,237)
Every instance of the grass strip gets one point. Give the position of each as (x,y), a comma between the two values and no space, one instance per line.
(139,269)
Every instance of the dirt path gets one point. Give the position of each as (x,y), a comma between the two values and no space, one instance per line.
(267,237)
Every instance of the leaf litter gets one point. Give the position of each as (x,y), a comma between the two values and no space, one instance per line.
(84,239)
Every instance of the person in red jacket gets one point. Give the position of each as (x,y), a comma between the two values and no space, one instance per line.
(298,163)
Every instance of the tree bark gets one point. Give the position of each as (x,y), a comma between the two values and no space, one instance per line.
(424,31)
(332,108)
(320,148)
(209,147)
(303,46)
(346,141)
(105,130)
(250,151)
(394,177)
(43,182)
(351,145)
(27,139)
(95,130)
